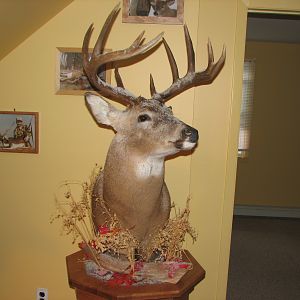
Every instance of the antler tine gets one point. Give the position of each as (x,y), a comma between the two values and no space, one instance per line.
(212,69)
(173,66)
(189,50)
(138,41)
(99,46)
(152,86)
(85,45)
(210,53)
(98,58)
(118,78)
(172,61)
(191,78)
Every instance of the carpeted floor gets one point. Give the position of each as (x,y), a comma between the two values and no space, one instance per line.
(265,259)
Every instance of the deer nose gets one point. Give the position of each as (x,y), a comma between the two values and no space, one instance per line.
(190,133)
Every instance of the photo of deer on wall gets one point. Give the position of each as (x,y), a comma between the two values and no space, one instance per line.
(70,78)
(19,132)
(153,11)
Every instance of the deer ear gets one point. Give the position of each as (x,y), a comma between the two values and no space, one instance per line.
(103,112)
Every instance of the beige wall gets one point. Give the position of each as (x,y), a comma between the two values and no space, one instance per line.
(278,6)
(270,175)
(32,252)
(71,143)
(213,169)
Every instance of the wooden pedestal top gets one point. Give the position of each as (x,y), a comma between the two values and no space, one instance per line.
(97,289)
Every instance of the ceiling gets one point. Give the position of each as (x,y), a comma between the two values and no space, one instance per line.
(20,18)
(273,28)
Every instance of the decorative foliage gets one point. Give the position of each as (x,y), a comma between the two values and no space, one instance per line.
(76,218)
(169,240)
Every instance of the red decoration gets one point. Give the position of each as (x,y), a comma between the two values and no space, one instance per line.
(103,229)
(121,279)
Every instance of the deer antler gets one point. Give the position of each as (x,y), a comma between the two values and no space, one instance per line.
(191,78)
(98,58)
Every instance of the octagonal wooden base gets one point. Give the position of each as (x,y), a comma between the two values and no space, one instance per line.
(89,288)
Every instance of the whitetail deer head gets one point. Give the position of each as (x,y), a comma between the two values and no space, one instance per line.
(132,182)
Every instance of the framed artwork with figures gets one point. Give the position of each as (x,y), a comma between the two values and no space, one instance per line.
(19,132)
(70,77)
(153,11)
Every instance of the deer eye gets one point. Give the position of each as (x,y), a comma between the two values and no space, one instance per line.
(143,118)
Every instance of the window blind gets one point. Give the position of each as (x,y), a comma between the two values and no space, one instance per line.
(246,108)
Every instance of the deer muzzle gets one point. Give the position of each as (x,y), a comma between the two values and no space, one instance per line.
(190,134)
(189,138)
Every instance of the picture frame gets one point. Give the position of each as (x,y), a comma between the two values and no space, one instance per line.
(153,12)
(19,132)
(70,78)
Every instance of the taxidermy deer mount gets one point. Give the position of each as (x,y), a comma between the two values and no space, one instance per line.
(132,182)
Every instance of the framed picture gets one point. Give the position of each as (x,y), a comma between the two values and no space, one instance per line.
(70,77)
(153,11)
(19,132)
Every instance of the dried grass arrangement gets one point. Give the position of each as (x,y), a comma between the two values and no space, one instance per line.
(73,209)
(169,240)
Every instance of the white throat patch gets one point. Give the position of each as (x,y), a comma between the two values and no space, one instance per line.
(149,167)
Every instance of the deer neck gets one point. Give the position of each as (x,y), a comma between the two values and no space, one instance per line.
(140,165)
(131,174)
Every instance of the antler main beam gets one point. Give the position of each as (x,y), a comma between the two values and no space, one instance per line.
(98,58)
(191,78)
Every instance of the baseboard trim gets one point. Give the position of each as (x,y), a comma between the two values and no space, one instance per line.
(266,211)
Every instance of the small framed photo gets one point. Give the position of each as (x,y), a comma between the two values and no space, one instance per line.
(19,132)
(70,78)
(153,11)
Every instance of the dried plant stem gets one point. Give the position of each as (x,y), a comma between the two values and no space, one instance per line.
(91,249)
(91,223)
(83,213)
(77,219)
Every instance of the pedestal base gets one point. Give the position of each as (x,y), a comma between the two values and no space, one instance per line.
(89,288)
